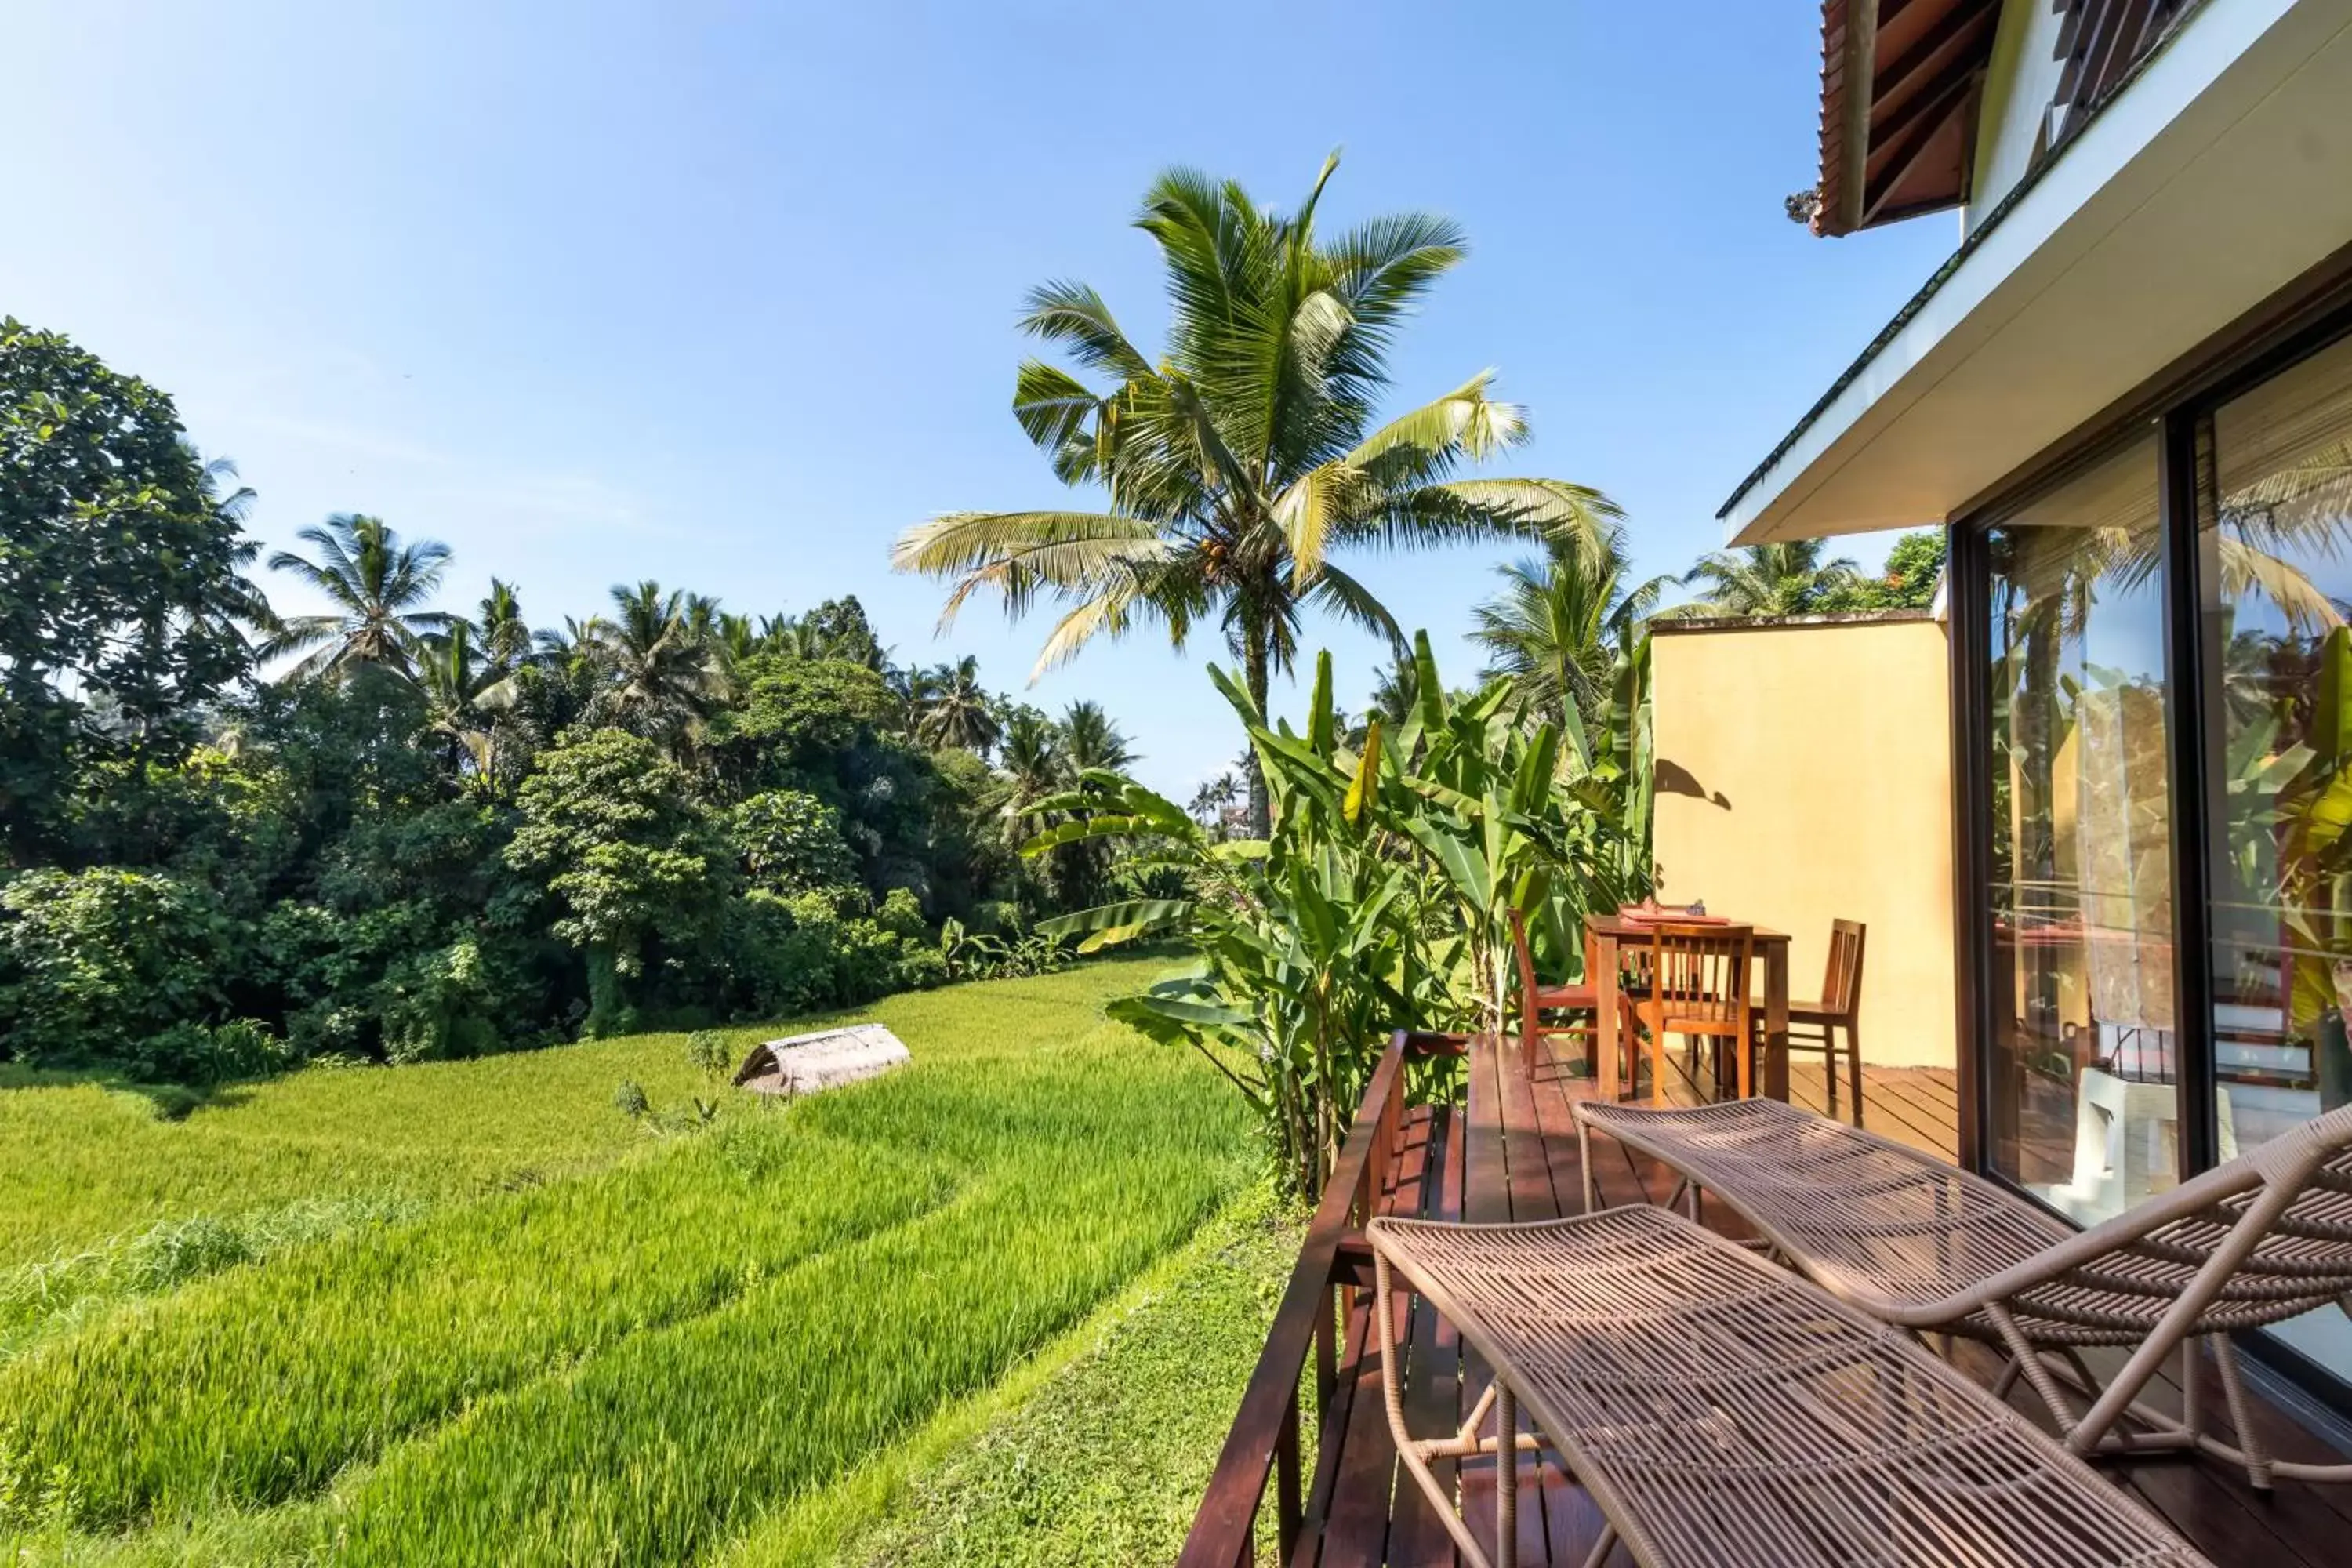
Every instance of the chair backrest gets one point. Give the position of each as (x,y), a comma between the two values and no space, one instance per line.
(2260,1238)
(1528,1019)
(1842,984)
(1698,973)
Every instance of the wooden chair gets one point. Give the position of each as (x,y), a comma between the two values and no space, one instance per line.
(1535,1000)
(1696,985)
(1838,1007)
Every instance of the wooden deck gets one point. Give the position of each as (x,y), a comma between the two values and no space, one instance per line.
(1510,1153)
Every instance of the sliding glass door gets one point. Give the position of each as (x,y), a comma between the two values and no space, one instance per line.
(2274,574)
(2081,1050)
(2156,694)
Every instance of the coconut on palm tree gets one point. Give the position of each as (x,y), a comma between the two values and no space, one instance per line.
(378,587)
(1237,465)
(1788,577)
(953,709)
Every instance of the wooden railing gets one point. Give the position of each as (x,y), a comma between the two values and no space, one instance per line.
(1264,1441)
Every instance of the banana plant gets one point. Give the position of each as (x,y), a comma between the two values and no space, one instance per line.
(1381,896)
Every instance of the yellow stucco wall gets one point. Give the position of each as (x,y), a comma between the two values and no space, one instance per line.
(1804,774)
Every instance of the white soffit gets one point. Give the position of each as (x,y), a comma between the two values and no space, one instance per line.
(2216,178)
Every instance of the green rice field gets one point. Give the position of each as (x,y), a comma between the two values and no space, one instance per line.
(470,1314)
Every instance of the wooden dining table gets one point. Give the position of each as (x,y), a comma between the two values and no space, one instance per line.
(1606,937)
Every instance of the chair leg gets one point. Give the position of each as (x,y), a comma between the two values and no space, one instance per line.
(1658,1065)
(1853,1065)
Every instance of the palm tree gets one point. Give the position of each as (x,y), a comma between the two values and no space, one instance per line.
(1243,460)
(953,709)
(1556,630)
(1214,800)
(462,692)
(1788,577)
(658,669)
(377,584)
(1089,740)
(1034,767)
(506,636)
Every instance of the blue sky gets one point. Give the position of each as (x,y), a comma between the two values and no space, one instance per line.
(725,295)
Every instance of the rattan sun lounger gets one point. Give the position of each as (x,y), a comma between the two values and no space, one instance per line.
(1723,1412)
(1916,1243)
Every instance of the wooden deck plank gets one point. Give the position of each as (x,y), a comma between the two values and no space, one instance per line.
(1487,1199)
(1357,1527)
(1929,1124)
(1432,1375)
(1355,1368)
(2192,1496)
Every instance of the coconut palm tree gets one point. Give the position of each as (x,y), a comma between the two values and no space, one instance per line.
(1213,802)
(378,587)
(505,637)
(1239,463)
(1089,740)
(953,709)
(462,691)
(1785,578)
(1029,758)
(1558,625)
(659,672)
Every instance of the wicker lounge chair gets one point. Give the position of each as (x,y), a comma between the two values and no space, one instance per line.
(1722,1411)
(1917,1244)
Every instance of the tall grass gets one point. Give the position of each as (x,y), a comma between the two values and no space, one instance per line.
(635,1361)
(261,1383)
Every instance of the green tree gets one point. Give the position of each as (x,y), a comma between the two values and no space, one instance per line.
(951,707)
(1914,568)
(1033,764)
(378,587)
(505,637)
(608,822)
(93,961)
(1788,577)
(1089,740)
(464,695)
(793,715)
(118,575)
(791,842)
(1238,463)
(658,667)
(1559,626)
(838,629)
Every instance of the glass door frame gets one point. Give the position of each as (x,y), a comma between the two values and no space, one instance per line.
(2312,315)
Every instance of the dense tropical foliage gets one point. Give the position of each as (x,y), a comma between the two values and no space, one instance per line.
(1383,896)
(231,841)
(1241,462)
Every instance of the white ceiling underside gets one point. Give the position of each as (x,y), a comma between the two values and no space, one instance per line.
(2211,182)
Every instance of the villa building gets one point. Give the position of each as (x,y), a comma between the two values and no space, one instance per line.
(2128,397)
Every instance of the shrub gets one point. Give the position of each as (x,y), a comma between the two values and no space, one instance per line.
(901,915)
(203,1054)
(629,1097)
(708,1050)
(92,962)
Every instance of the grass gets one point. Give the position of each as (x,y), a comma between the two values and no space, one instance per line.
(534,1335)
(1100,1460)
